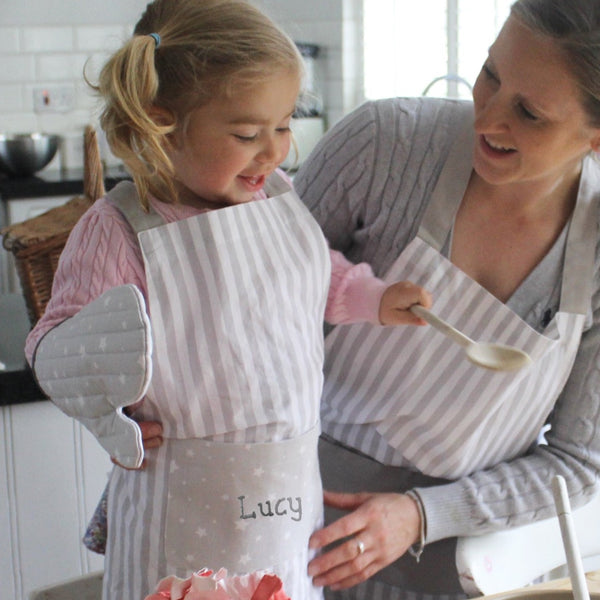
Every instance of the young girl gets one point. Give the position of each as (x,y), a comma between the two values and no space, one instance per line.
(195,296)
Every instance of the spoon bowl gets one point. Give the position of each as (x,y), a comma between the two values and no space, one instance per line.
(496,357)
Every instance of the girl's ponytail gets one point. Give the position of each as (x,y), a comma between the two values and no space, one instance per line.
(129,84)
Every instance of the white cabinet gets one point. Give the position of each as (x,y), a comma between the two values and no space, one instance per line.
(17,211)
(52,474)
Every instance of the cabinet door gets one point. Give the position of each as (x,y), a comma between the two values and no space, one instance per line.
(52,473)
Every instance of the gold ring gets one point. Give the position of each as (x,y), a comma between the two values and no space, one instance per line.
(360,546)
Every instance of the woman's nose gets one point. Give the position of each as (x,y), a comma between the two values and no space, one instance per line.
(490,115)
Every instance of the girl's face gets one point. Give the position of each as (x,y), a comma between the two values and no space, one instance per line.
(233,143)
(529,118)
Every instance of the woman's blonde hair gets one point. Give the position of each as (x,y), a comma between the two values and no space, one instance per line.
(202,49)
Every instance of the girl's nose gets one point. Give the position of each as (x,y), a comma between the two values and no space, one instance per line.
(272,151)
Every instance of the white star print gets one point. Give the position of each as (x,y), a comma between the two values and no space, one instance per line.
(241,525)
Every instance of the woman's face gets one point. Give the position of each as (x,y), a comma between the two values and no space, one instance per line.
(529,118)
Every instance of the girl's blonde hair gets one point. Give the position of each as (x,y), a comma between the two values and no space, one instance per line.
(204,48)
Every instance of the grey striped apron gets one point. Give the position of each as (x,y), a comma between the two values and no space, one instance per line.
(405,407)
(236,300)
(412,390)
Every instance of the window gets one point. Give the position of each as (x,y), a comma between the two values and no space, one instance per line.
(433,47)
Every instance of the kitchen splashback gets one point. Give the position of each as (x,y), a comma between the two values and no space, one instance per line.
(34,56)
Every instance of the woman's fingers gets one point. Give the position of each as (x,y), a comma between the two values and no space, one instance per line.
(346,526)
(380,528)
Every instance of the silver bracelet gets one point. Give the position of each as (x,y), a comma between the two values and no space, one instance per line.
(416,550)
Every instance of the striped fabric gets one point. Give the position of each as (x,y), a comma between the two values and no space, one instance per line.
(445,416)
(238,358)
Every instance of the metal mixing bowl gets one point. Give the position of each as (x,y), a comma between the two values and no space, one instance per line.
(23,154)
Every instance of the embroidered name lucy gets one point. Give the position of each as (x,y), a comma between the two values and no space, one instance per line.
(275,508)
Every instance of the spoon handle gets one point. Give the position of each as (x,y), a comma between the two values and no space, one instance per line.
(567,530)
(441,325)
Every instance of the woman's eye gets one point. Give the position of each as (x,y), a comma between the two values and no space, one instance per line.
(527,113)
(490,74)
(283,129)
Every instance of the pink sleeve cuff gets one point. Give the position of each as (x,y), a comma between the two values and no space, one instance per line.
(354,294)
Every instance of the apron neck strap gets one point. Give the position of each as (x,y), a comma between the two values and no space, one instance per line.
(449,189)
(125,197)
(580,252)
(276,185)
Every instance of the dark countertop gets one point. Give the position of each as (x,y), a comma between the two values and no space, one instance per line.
(17,384)
(54,183)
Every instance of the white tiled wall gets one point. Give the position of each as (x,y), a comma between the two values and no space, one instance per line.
(336,26)
(35,55)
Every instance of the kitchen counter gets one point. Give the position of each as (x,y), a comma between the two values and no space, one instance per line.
(54,183)
(17,384)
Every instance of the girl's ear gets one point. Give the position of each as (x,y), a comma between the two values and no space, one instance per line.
(161,116)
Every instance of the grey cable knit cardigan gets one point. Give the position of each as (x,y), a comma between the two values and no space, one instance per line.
(367,184)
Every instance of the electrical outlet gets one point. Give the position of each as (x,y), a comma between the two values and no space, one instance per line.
(57,99)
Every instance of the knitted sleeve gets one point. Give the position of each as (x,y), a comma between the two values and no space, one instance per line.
(101,253)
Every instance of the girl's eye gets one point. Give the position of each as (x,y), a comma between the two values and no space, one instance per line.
(245,138)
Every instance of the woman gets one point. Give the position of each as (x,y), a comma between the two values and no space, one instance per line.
(493,207)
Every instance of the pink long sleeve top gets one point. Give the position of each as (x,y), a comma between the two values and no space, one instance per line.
(103,252)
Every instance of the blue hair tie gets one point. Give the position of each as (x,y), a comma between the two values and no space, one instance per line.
(156,39)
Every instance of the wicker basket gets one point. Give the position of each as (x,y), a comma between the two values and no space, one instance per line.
(38,242)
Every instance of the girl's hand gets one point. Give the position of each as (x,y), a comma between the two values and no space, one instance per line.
(384,525)
(396,301)
(151,438)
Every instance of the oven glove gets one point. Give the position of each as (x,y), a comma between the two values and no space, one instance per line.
(98,362)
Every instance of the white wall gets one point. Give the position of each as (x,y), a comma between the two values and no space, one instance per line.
(47,43)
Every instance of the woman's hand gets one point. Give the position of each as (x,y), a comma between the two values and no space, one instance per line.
(383,525)
(151,438)
(397,300)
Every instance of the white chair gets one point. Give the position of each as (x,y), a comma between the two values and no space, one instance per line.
(513,558)
(86,587)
